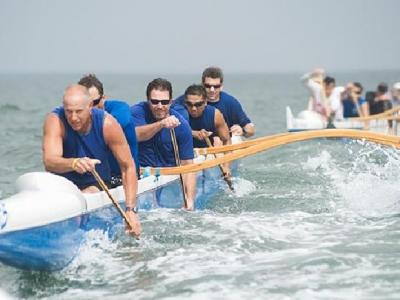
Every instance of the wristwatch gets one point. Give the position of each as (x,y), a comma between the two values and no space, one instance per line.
(133,209)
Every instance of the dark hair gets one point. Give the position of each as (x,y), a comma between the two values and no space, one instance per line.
(196,89)
(91,80)
(382,88)
(328,80)
(213,72)
(357,84)
(159,84)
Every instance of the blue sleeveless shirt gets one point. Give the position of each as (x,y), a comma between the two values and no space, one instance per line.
(205,121)
(90,145)
(230,108)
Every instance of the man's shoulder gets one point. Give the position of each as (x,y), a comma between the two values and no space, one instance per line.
(59,110)
(180,109)
(224,96)
(111,104)
(98,113)
(179,116)
(180,99)
(210,108)
(140,106)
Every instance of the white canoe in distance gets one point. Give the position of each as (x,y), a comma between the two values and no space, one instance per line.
(310,120)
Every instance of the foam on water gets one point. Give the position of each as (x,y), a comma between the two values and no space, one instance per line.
(369,185)
(242,187)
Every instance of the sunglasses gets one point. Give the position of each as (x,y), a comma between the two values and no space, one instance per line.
(97,101)
(194,104)
(357,92)
(209,86)
(156,102)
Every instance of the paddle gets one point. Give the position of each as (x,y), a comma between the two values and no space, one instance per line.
(115,202)
(228,180)
(178,163)
(245,144)
(377,116)
(378,138)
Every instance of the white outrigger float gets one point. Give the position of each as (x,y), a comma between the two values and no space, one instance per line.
(310,120)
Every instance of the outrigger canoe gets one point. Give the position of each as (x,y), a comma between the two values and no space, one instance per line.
(310,120)
(43,226)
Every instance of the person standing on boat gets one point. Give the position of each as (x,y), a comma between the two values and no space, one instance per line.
(318,101)
(234,115)
(206,121)
(77,139)
(121,112)
(334,95)
(154,119)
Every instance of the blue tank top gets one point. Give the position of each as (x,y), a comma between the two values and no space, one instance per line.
(205,121)
(230,108)
(90,145)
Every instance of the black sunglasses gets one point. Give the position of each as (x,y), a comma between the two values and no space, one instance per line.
(156,102)
(97,101)
(209,86)
(195,104)
(357,92)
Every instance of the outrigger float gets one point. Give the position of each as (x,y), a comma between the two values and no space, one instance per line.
(310,120)
(43,226)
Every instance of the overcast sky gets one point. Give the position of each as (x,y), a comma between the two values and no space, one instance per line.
(184,36)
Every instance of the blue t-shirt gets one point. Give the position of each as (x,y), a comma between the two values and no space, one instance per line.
(350,109)
(158,151)
(91,145)
(121,112)
(181,109)
(230,108)
(205,121)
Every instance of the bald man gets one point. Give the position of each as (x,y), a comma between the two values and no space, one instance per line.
(77,139)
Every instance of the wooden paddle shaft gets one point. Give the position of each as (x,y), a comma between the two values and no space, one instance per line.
(115,202)
(178,163)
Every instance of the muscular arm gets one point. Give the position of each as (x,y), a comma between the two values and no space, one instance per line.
(146,132)
(364,110)
(223,134)
(222,128)
(117,143)
(53,160)
(189,180)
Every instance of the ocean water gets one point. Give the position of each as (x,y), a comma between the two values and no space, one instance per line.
(312,220)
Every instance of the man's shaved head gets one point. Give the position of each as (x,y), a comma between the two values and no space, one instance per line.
(77,107)
(76,93)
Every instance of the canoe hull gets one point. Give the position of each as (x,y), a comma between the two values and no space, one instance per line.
(49,247)
(53,245)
